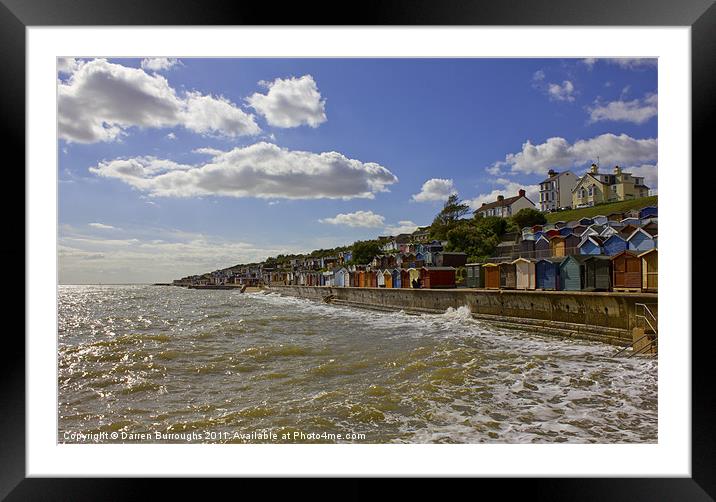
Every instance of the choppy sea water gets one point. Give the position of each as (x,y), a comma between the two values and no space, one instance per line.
(167,364)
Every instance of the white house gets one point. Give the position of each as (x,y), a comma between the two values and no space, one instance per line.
(556,191)
(504,208)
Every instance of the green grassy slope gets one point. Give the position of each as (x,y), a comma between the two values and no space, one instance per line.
(604,209)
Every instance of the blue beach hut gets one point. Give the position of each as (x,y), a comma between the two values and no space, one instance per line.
(640,240)
(547,272)
(341,278)
(571,273)
(565,231)
(397,283)
(590,245)
(648,212)
(614,245)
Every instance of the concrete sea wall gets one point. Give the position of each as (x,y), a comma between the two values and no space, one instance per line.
(602,316)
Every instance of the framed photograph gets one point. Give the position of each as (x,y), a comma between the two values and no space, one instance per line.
(422,241)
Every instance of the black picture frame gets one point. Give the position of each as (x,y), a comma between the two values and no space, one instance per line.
(17,15)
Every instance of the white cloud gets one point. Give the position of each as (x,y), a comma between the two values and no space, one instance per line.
(435,189)
(625,63)
(403,227)
(158,64)
(171,135)
(67,66)
(558,152)
(102,226)
(261,170)
(636,111)
(101,100)
(507,188)
(290,102)
(366,219)
(564,92)
(556,92)
(649,172)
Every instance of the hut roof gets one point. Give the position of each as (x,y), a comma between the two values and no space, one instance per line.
(640,230)
(627,252)
(528,260)
(652,250)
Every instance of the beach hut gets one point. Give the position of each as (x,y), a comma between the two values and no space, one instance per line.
(341,279)
(600,219)
(615,216)
(626,272)
(590,245)
(492,275)
(396,280)
(551,233)
(379,279)
(414,275)
(648,212)
(565,231)
(631,221)
(404,278)
(593,230)
(371,279)
(640,240)
(571,273)
(614,245)
(387,279)
(626,230)
(597,273)
(508,275)
(579,230)
(536,228)
(526,273)
(631,213)
(650,271)
(547,273)
(438,277)
(608,232)
(527,248)
(474,277)
(586,221)
(560,224)
(542,248)
(564,245)
(572,224)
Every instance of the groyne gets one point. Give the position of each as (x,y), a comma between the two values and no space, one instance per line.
(601,316)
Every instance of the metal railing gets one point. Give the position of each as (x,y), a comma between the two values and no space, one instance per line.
(648,320)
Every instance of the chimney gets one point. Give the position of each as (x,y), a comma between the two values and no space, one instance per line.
(617,170)
(484,203)
(551,172)
(521,192)
(500,197)
(594,169)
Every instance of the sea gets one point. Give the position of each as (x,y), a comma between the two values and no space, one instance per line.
(164,364)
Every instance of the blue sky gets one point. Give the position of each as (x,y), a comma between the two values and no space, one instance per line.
(175,167)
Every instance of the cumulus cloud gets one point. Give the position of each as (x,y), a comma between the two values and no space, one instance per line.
(158,64)
(67,66)
(507,188)
(564,92)
(365,219)
(290,102)
(102,226)
(101,100)
(262,170)
(557,152)
(403,227)
(636,111)
(435,189)
(556,92)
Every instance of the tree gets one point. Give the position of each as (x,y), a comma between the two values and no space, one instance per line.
(364,252)
(453,210)
(528,217)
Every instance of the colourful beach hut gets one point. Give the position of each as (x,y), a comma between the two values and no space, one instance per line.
(508,275)
(492,275)
(379,279)
(404,278)
(626,272)
(547,272)
(586,221)
(526,275)
(542,248)
(614,245)
(597,273)
(590,245)
(397,279)
(565,231)
(341,278)
(438,277)
(600,219)
(527,247)
(640,240)
(564,245)
(648,212)
(650,271)
(474,277)
(571,273)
